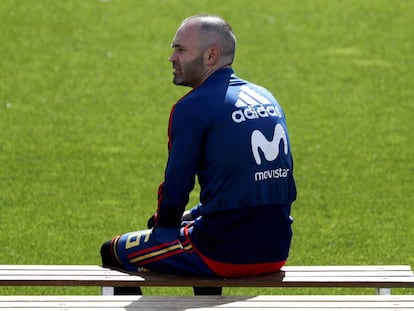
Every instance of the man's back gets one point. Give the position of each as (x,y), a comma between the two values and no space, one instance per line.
(241,154)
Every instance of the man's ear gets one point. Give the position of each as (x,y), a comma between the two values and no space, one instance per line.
(212,56)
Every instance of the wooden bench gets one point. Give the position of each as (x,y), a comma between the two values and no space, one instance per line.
(208,303)
(381,278)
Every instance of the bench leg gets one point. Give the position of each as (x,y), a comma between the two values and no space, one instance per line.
(107,291)
(207,291)
(383,291)
(118,291)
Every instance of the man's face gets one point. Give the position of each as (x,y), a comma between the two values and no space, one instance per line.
(187,59)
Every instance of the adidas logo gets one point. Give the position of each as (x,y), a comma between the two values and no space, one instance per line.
(253,106)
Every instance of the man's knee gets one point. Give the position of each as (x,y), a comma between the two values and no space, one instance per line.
(107,255)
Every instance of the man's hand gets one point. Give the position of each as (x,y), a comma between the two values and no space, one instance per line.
(151,222)
(187,216)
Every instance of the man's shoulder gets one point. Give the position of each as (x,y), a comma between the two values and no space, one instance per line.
(214,87)
(197,95)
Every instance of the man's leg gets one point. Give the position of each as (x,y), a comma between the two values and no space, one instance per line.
(160,250)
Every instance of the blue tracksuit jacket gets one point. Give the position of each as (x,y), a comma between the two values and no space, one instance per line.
(232,136)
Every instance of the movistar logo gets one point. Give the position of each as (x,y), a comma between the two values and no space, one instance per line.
(270,149)
(253,105)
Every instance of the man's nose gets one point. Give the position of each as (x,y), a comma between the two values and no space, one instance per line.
(172,58)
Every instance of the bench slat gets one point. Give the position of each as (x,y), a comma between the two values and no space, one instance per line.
(285,268)
(402,302)
(209,299)
(289,273)
(322,276)
(56,280)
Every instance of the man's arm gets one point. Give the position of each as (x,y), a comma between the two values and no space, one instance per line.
(185,138)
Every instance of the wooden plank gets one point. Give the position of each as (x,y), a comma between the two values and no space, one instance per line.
(129,281)
(285,268)
(348,268)
(384,273)
(351,276)
(211,299)
(402,302)
(54,267)
(326,271)
(274,281)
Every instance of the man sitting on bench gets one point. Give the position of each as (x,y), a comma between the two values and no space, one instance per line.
(231,134)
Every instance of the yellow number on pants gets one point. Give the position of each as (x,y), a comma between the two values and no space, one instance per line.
(135,238)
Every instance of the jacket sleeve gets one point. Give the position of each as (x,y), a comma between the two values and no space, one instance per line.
(185,139)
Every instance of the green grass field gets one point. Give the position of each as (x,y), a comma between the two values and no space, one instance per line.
(85,94)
